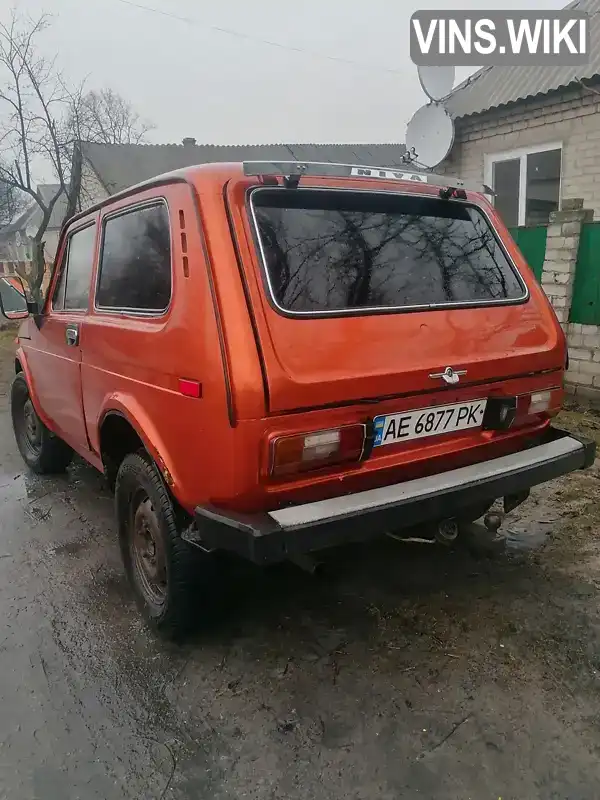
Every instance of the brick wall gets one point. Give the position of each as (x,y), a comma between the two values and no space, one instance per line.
(571,116)
(584,358)
(582,379)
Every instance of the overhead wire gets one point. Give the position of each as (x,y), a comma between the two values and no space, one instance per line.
(253,38)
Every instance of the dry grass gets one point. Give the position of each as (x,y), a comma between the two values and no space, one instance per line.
(584,422)
(7,339)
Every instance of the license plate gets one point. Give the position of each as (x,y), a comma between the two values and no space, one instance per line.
(422,422)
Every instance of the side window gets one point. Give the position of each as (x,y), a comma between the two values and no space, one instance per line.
(73,286)
(58,298)
(135,265)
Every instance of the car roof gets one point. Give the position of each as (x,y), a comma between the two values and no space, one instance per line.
(221,172)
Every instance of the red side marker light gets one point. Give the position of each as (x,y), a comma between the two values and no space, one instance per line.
(190,388)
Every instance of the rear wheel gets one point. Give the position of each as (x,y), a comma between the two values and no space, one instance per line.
(42,451)
(171,579)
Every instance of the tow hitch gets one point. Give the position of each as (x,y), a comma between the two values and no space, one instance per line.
(484,539)
(478,536)
(482,536)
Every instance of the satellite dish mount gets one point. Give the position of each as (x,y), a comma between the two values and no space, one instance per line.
(430,132)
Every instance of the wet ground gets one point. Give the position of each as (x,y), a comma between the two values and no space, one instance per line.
(406,672)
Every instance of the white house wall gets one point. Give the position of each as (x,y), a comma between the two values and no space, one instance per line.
(571,117)
(92,191)
(51,240)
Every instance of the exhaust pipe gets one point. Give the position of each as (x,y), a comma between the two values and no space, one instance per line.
(446,531)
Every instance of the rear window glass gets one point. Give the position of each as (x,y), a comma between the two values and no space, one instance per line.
(333,251)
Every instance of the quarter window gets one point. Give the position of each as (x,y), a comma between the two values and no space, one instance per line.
(73,286)
(135,265)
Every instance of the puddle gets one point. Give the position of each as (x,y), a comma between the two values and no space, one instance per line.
(531,536)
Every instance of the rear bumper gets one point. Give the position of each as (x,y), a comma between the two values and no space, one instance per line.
(279,535)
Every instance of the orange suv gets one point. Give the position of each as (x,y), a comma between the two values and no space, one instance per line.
(275,358)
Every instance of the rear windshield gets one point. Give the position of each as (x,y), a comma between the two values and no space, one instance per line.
(327,250)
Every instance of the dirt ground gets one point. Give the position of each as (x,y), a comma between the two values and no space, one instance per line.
(408,671)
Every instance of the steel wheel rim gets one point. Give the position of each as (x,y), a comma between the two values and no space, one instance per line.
(29,427)
(147,549)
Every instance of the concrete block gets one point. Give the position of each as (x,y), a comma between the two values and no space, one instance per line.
(571,376)
(571,204)
(597,355)
(591,340)
(580,354)
(562,278)
(567,243)
(562,314)
(596,381)
(589,329)
(571,228)
(585,395)
(554,263)
(588,368)
(559,302)
(554,289)
(584,380)
(575,340)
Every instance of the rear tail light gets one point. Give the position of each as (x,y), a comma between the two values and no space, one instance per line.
(291,455)
(540,402)
(547,402)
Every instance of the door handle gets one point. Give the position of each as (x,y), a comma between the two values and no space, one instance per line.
(72,335)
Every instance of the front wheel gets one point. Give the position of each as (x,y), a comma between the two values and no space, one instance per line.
(42,451)
(171,579)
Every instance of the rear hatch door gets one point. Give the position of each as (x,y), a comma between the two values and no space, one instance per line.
(364,295)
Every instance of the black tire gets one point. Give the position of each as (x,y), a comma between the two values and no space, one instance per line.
(170,578)
(42,451)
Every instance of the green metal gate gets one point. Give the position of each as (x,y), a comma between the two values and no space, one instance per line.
(532,243)
(585,305)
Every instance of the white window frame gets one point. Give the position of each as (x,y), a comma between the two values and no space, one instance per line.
(509,155)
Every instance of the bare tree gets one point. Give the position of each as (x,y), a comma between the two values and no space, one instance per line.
(10,202)
(42,122)
(35,112)
(107,118)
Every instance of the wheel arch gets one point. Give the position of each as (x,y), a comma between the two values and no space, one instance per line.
(22,368)
(123,428)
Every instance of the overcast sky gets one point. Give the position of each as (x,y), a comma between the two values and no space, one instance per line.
(190,79)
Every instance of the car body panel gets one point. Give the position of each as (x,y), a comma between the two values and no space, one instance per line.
(264,375)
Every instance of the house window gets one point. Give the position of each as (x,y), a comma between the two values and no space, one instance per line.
(527,184)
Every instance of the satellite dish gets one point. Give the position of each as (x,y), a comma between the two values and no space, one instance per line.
(431,133)
(437,82)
